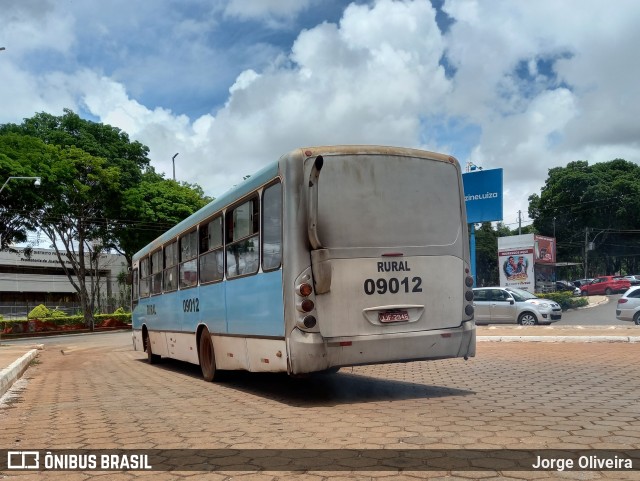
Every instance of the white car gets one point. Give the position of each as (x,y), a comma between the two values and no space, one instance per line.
(628,308)
(495,305)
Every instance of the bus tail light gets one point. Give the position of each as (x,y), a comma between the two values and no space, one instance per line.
(309,322)
(468,294)
(305,302)
(306,305)
(304,290)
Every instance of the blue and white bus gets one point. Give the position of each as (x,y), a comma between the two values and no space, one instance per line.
(330,257)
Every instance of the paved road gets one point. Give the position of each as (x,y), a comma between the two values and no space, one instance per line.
(602,315)
(98,393)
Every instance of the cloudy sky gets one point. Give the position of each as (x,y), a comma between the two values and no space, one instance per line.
(231,85)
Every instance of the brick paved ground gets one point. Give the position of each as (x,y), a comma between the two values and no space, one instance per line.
(515,395)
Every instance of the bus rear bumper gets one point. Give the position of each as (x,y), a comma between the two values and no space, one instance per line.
(310,352)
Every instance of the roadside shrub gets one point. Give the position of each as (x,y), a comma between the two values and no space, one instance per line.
(566,299)
(58,313)
(39,312)
(122,318)
(120,310)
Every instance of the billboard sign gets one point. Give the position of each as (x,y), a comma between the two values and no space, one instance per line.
(516,268)
(483,195)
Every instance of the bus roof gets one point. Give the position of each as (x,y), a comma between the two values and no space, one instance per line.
(270,171)
(232,195)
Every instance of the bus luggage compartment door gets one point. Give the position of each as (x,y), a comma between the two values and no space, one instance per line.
(370,296)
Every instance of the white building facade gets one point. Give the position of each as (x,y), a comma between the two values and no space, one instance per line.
(27,281)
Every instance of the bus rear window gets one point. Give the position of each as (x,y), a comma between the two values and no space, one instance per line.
(403,202)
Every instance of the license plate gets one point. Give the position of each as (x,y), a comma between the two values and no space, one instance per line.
(395,316)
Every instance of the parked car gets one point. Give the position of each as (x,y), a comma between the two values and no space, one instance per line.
(633,280)
(581,282)
(628,308)
(606,285)
(568,287)
(510,305)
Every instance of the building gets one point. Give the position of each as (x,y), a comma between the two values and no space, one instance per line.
(26,282)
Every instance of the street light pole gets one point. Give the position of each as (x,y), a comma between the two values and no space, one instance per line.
(173,159)
(36,181)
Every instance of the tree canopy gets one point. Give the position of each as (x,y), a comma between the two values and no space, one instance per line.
(597,204)
(97,191)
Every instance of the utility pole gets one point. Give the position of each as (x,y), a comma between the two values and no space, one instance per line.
(586,250)
(519,222)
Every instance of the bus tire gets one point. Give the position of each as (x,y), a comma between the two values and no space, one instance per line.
(206,356)
(151,357)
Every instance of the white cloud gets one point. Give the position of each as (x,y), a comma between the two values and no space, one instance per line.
(544,83)
(28,25)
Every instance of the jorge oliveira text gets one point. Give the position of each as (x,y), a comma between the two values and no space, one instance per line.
(590,463)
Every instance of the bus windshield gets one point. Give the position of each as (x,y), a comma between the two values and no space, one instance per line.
(362,202)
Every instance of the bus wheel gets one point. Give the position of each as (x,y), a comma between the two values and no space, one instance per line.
(151,357)
(207,359)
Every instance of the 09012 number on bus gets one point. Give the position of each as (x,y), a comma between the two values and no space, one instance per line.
(191,305)
(392,286)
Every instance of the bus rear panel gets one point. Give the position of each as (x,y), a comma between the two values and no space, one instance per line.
(390,266)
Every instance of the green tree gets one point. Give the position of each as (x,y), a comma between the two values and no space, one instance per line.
(152,207)
(98,192)
(20,156)
(597,203)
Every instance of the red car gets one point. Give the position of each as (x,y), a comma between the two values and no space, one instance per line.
(605,285)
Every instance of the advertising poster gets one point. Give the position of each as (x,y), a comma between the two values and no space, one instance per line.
(516,268)
(545,249)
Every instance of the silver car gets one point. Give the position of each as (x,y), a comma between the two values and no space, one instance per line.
(628,308)
(509,305)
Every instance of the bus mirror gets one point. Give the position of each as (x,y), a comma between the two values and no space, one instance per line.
(129,279)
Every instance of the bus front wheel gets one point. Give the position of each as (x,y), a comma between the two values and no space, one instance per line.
(207,359)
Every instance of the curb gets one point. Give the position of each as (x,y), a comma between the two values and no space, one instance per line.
(11,374)
(629,339)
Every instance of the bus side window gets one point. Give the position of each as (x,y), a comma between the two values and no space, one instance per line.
(272,227)
(170,282)
(242,246)
(188,259)
(145,277)
(156,272)
(211,259)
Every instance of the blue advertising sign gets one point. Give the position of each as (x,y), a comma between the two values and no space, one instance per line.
(483,195)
